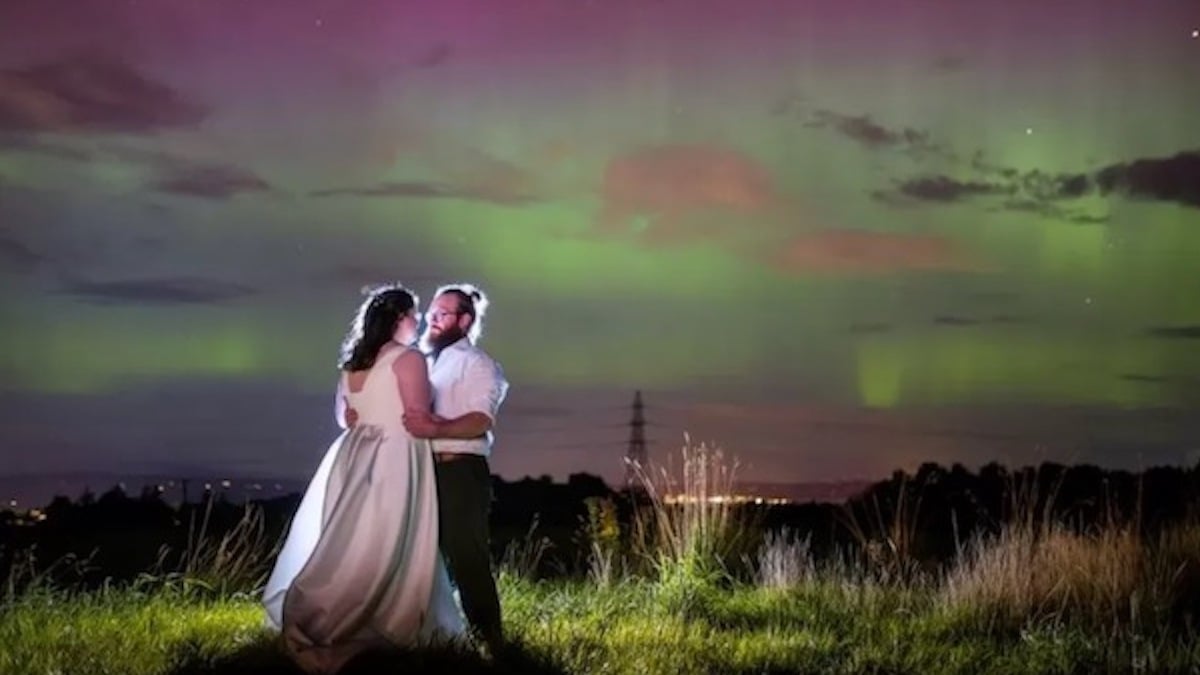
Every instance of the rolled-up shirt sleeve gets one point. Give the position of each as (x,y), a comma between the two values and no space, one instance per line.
(484,386)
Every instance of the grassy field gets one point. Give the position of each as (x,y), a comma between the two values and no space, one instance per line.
(662,597)
(630,627)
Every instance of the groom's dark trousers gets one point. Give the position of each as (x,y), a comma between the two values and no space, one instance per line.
(464,484)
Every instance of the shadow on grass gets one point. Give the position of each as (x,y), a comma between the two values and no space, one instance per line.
(267,657)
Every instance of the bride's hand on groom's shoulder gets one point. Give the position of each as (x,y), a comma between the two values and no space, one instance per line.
(351,417)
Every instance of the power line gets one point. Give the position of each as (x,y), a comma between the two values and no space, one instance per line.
(635,455)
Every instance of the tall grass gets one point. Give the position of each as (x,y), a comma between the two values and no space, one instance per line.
(523,557)
(687,529)
(887,533)
(1023,575)
(785,560)
(1110,579)
(602,536)
(238,561)
(235,562)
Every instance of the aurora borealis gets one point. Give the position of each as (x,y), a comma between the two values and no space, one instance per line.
(837,238)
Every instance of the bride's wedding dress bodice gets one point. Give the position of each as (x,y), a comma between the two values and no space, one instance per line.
(379,403)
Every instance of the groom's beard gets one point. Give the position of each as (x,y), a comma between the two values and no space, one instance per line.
(432,344)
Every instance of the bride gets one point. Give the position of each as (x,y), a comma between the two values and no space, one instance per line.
(360,566)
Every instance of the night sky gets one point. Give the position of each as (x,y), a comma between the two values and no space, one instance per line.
(835,238)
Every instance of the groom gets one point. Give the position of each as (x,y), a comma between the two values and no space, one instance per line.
(468,387)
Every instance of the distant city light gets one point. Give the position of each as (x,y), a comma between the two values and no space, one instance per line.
(727,499)
(225,483)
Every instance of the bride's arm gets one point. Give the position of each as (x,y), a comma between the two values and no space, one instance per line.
(412,376)
(339,404)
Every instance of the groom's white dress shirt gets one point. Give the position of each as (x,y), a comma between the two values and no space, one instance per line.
(464,379)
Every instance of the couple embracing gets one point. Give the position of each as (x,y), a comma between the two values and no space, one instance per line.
(398,506)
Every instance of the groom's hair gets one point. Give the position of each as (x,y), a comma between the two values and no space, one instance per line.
(471,300)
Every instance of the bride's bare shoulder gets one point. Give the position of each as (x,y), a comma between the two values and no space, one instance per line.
(408,361)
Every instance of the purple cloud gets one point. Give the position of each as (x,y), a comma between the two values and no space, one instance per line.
(161,291)
(15,253)
(34,145)
(431,190)
(437,55)
(83,92)
(210,181)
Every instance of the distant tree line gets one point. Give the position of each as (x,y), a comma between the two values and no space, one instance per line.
(930,513)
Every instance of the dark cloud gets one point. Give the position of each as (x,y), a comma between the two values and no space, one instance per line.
(213,181)
(176,174)
(16,255)
(360,275)
(390,189)
(1148,379)
(868,327)
(945,189)
(1070,186)
(88,92)
(428,190)
(949,64)
(892,198)
(158,159)
(34,145)
(994,296)
(864,130)
(1049,209)
(437,55)
(160,291)
(791,103)
(951,320)
(1169,179)
(1183,389)
(1191,332)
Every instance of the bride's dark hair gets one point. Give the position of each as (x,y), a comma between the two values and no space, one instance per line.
(375,324)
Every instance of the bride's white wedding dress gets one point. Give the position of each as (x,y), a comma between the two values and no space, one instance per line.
(360,566)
